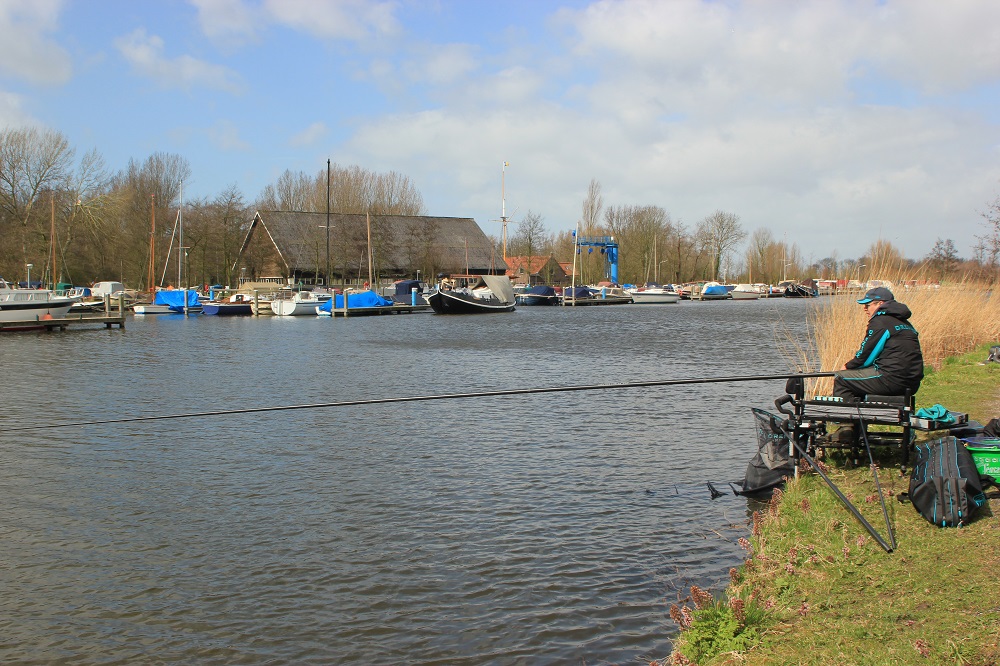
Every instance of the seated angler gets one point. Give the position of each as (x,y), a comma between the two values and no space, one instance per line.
(889,361)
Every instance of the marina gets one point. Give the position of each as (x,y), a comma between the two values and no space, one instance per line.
(522,529)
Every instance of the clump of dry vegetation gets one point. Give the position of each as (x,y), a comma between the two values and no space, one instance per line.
(952,318)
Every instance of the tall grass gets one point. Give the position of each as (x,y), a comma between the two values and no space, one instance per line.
(950,319)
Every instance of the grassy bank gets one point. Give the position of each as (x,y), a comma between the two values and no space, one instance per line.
(817,589)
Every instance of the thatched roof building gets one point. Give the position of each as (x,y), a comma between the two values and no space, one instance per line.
(294,244)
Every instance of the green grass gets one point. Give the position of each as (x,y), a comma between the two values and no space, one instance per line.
(825,592)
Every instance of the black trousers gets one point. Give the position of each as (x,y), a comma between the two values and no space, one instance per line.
(854,385)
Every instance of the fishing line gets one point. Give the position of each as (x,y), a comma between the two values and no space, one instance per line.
(420,398)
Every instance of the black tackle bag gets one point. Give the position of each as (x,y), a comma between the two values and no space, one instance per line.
(945,487)
(768,469)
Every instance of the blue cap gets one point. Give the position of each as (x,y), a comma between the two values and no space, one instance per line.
(877,294)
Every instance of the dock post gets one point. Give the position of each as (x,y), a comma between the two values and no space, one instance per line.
(256,302)
(413,296)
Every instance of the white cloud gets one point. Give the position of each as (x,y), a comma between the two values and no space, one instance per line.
(25,50)
(145,53)
(337,19)
(226,19)
(442,64)
(224,135)
(11,110)
(310,135)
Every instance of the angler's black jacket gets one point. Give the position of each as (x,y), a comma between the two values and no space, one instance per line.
(892,345)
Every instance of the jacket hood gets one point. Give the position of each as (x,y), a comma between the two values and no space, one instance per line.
(894,309)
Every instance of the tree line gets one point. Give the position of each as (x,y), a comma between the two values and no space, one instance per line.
(78,221)
(93,223)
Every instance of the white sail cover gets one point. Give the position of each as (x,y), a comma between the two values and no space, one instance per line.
(500,286)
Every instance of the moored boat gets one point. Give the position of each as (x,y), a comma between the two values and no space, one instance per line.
(540,294)
(296,303)
(746,292)
(27,305)
(654,293)
(483,294)
(237,304)
(170,301)
(711,291)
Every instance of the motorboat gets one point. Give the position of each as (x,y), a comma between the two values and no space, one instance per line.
(365,302)
(296,302)
(407,292)
(747,292)
(480,294)
(540,294)
(596,295)
(237,304)
(29,305)
(711,291)
(654,293)
(171,301)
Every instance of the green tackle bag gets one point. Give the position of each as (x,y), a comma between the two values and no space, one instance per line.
(945,487)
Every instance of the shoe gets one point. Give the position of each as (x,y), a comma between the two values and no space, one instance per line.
(843,435)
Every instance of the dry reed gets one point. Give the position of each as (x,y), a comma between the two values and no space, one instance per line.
(950,319)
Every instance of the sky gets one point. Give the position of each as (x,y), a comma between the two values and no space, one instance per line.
(833,123)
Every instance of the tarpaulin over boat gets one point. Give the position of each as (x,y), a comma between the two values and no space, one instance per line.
(577,292)
(174,299)
(541,290)
(403,287)
(360,299)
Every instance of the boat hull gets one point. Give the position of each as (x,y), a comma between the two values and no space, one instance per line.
(227,309)
(446,302)
(28,310)
(649,297)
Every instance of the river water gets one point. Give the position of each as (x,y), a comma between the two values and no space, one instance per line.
(545,528)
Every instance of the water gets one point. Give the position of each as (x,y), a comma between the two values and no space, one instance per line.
(512,530)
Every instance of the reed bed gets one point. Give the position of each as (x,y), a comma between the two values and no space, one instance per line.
(951,319)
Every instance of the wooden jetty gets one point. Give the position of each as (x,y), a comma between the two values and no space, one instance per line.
(378,310)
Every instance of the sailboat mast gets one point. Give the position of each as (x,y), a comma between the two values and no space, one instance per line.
(503,207)
(55,276)
(371,263)
(151,277)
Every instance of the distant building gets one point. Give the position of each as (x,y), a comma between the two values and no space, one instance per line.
(536,270)
(293,244)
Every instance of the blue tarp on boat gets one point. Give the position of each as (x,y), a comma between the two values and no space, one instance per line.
(541,290)
(578,292)
(174,299)
(361,299)
(714,290)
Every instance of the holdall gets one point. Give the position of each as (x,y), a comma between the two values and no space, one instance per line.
(945,486)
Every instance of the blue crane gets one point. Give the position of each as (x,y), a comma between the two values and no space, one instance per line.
(609,248)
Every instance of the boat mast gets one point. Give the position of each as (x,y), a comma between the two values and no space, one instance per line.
(55,277)
(371,263)
(503,208)
(180,248)
(151,273)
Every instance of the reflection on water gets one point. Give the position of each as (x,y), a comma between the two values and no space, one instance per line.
(518,529)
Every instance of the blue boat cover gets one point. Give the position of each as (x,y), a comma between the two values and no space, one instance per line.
(714,290)
(403,288)
(541,290)
(361,299)
(578,292)
(174,298)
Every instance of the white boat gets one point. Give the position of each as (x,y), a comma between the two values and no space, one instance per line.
(30,305)
(654,294)
(289,303)
(747,292)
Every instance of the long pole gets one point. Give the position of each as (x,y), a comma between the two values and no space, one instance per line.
(55,276)
(447,396)
(371,261)
(503,206)
(152,247)
(327,276)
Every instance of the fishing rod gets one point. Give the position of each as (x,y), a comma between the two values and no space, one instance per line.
(424,398)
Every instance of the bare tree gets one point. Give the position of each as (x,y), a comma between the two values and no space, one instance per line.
(31,160)
(720,233)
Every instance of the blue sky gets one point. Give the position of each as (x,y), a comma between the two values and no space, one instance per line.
(831,122)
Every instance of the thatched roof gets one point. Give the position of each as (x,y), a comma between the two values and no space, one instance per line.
(400,243)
